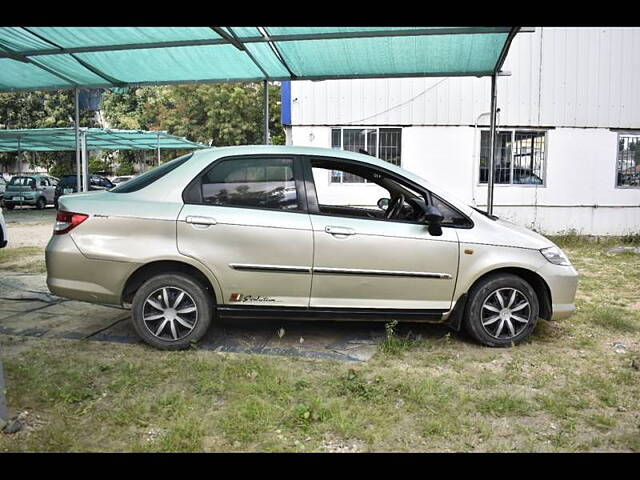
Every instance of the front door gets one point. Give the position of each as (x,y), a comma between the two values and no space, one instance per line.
(363,259)
(245,219)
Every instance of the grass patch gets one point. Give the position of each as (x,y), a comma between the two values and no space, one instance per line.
(394,344)
(23,259)
(566,390)
(615,319)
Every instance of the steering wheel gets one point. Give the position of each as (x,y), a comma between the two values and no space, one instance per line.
(395,207)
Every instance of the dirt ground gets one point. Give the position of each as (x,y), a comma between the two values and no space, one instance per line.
(28,227)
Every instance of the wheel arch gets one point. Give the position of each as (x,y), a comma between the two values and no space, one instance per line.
(538,284)
(148,270)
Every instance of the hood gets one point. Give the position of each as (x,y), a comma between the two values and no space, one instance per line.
(519,236)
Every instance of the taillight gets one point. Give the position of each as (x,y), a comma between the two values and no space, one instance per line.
(66,221)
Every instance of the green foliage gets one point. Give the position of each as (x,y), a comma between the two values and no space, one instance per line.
(218,114)
(49,109)
(394,344)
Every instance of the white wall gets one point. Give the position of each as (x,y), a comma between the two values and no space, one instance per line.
(579,192)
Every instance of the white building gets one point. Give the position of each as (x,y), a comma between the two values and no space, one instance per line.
(569,121)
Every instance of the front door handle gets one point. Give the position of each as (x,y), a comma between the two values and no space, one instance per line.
(196,220)
(339,230)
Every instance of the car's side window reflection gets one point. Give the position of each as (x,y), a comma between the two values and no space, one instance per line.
(255,182)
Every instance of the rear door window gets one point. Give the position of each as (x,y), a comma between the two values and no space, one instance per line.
(261,182)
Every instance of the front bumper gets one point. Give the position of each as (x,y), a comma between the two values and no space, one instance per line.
(563,284)
(70,274)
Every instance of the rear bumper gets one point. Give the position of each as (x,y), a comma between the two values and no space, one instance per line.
(70,274)
(563,284)
(26,201)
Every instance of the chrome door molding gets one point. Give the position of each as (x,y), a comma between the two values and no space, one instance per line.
(388,273)
(250,267)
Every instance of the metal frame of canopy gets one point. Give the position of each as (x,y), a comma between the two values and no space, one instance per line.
(57,139)
(228,36)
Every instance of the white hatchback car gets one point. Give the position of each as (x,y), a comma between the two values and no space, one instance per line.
(254,232)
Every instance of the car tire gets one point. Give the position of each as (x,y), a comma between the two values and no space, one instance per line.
(179,331)
(9,206)
(494,318)
(55,204)
(41,203)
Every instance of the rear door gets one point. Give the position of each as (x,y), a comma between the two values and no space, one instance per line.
(245,218)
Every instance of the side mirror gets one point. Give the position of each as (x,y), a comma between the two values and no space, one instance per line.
(383,203)
(433,218)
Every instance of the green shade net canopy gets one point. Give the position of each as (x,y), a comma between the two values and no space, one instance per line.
(64,139)
(36,58)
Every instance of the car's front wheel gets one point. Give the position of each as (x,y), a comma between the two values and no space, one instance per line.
(171,311)
(502,310)
(41,203)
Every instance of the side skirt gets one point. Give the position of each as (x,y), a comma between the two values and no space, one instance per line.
(350,314)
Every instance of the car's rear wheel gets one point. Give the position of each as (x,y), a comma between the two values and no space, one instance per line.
(171,311)
(502,310)
(41,203)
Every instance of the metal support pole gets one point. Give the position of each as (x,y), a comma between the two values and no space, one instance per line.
(85,163)
(77,128)
(20,166)
(158,148)
(492,144)
(265,86)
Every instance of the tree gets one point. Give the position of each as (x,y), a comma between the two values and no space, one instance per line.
(218,114)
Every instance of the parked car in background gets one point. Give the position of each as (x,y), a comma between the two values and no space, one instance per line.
(3,186)
(118,180)
(3,231)
(240,232)
(36,190)
(68,184)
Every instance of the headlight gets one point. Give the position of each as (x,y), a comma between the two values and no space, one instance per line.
(555,256)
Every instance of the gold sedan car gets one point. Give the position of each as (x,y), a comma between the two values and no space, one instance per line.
(256,232)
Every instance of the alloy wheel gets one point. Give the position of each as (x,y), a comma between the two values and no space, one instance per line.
(505,313)
(170,313)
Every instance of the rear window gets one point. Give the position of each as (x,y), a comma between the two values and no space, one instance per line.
(151,176)
(23,181)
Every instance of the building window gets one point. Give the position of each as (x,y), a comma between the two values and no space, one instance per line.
(384,143)
(520,157)
(628,165)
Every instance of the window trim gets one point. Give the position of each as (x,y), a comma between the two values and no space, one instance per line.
(615,170)
(312,197)
(297,175)
(513,132)
(362,127)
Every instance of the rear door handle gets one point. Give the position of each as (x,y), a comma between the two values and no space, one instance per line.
(196,220)
(339,230)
